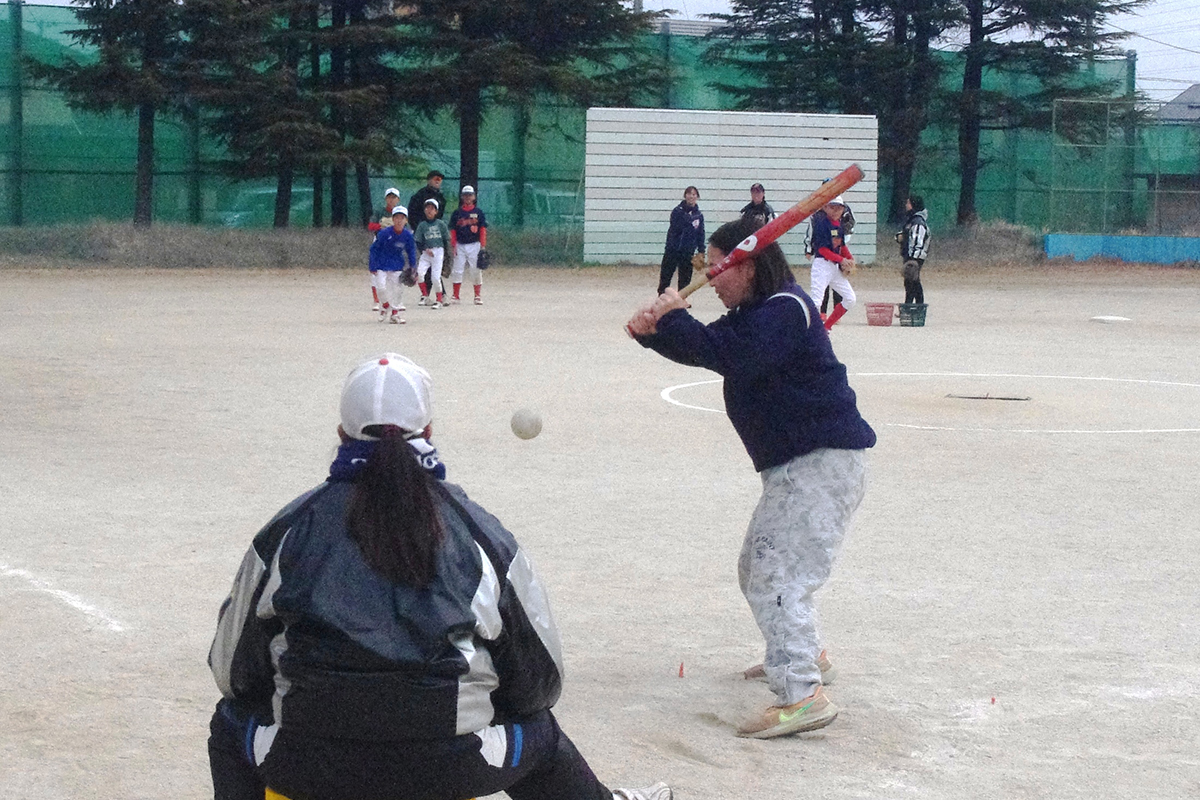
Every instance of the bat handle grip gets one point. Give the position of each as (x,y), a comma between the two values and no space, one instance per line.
(697,282)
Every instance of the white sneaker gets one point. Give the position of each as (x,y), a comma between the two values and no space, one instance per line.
(424,301)
(375,307)
(455,300)
(402,308)
(478,300)
(436,304)
(659,791)
(396,318)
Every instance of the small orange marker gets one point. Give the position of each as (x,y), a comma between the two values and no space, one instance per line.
(681,671)
(993,701)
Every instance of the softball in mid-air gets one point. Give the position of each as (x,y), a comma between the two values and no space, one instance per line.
(526,423)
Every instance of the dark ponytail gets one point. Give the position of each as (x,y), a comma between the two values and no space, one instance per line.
(392,515)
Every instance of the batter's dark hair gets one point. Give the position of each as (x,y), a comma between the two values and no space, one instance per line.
(917,201)
(771,270)
(393,516)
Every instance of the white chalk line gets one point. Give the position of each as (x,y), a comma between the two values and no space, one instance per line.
(667,394)
(74,601)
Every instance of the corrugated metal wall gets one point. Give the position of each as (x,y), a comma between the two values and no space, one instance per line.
(639,161)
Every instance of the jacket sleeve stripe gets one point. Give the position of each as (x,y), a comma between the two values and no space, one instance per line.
(536,603)
(234,614)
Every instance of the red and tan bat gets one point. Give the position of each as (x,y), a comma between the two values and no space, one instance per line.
(777,227)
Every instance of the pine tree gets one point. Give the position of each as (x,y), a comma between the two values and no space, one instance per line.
(477,54)
(812,55)
(256,68)
(906,77)
(1046,39)
(137,44)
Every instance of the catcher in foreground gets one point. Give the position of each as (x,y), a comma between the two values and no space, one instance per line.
(388,638)
(789,401)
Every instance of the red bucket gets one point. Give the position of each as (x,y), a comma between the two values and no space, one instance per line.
(880,313)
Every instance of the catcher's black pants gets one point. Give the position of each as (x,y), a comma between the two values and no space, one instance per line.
(913,291)
(670,263)
(539,763)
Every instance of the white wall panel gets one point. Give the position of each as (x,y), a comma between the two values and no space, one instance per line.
(638,162)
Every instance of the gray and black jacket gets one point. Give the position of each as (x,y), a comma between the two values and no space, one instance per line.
(914,238)
(314,640)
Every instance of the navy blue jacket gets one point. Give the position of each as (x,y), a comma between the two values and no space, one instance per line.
(686,234)
(785,391)
(389,249)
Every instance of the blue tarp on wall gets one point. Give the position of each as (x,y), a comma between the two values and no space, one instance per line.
(1149,249)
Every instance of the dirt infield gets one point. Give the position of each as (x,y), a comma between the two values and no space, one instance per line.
(1014,614)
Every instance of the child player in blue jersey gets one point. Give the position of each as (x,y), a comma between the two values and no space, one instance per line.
(393,250)
(468,236)
(831,259)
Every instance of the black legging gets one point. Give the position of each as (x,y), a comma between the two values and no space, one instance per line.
(837,298)
(913,291)
(670,262)
(539,763)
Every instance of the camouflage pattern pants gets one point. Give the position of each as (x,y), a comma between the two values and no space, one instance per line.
(794,536)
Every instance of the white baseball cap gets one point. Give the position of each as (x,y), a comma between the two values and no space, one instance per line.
(399,210)
(467,190)
(387,389)
(836,201)
(432,202)
(391,191)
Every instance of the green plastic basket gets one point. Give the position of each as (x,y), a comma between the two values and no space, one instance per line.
(912,315)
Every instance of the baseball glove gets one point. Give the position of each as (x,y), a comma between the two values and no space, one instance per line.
(848,268)
(911,271)
(699,263)
(408,276)
(484,260)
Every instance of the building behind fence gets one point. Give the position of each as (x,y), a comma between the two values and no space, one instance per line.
(1116,166)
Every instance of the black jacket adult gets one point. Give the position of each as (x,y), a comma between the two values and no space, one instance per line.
(914,238)
(759,211)
(313,640)
(416,204)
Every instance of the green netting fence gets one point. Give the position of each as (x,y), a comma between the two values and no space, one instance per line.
(59,164)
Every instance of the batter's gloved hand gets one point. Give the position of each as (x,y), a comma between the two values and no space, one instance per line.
(484,260)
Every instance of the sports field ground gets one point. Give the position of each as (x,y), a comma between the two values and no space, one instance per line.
(1014,614)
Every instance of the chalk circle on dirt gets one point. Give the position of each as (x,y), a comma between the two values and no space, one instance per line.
(1110,319)
(668,394)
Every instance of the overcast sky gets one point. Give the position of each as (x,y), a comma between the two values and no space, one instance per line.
(1167,40)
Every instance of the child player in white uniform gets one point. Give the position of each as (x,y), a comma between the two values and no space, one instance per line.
(468,235)
(433,235)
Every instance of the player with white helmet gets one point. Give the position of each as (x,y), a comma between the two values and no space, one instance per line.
(468,238)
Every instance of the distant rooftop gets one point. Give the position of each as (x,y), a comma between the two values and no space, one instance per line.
(1184,108)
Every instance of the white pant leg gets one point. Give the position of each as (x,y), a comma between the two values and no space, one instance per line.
(790,546)
(433,261)
(465,255)
(841,284)
(476,274)
(377,283)
(821,275)
(431,266)
(390,290)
